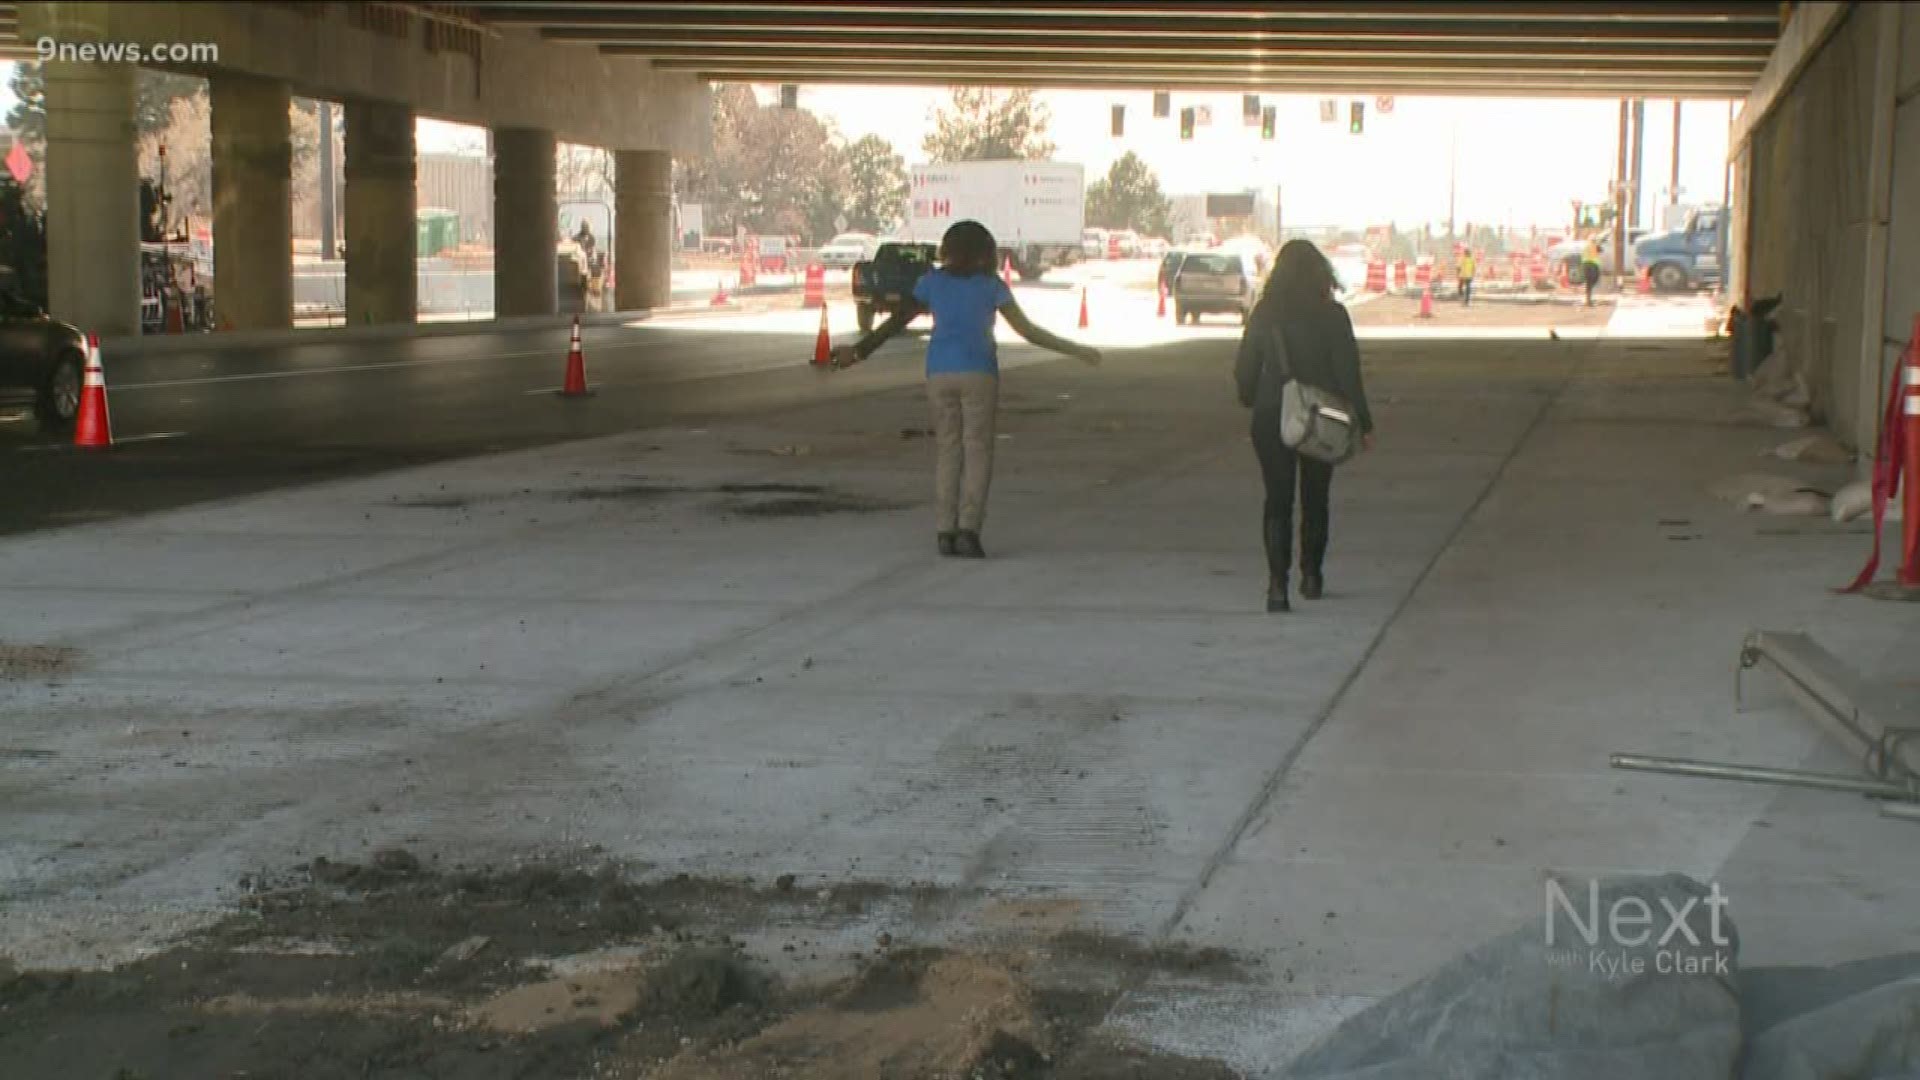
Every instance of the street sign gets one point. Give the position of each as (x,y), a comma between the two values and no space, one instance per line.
(1162,104)
(1383,105)
(1329,110)
(19,162)
(1203,115)
(840,223)
(1119,121)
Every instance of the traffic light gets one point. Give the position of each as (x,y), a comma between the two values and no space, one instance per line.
(1359,119)
(1186,123)
(1250,109)
(1268,121)
(1119,121)
(789,96)
(1162,104)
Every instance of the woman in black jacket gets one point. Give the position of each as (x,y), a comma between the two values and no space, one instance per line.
(1321,352)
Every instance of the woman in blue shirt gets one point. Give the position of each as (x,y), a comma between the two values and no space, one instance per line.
(963,373)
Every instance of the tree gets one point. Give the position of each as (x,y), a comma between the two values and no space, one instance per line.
(771,170)
(1129,197)
(154,95)
(876,184)
(23,242)
(989,125)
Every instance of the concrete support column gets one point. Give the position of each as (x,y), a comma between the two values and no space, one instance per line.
(643,229)
(252,217)
(92,184)
(383,284)
(526,223)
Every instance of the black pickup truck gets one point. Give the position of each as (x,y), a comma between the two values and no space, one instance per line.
(884,283)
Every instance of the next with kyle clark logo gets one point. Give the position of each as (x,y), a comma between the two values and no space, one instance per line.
(1619,934)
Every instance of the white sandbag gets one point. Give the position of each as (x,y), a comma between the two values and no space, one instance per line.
(1814,449)
(1751,491)
(1798,504)
(1776,414)
(1855,501)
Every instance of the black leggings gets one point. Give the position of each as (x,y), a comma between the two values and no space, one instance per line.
(1279,466)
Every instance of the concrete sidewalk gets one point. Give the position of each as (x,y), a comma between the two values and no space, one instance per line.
(730,651)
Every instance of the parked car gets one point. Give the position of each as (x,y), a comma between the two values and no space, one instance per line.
(885,283)
(1093,243)
(1214,282)
(42,360)
(1129,243)
(848,248)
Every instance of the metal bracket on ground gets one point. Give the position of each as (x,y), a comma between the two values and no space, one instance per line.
(1842,702)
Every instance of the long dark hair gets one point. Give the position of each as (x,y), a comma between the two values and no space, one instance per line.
(1302,279)
(968,248)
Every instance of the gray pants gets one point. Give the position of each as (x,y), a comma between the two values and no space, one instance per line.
(963,414)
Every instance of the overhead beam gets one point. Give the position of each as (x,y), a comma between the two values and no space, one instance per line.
(1659,11)
(682,58)
(1211,46)
(1274,81)
(1574,66)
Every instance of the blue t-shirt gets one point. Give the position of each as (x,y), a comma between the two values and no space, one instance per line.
(964,310)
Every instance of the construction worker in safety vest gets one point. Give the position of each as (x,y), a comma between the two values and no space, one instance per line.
(1466,270)
(1590,267)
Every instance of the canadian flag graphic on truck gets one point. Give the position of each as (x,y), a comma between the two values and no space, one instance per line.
(1035,209)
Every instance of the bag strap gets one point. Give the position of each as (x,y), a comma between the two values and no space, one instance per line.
(1279,350)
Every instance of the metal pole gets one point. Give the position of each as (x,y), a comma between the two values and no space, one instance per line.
(1620,194)
(1453,174)
(1673,182)
(329,245)
(1879,789)
(1639,155)
(1726,192)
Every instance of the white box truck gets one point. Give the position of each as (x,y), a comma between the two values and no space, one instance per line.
(1035,209)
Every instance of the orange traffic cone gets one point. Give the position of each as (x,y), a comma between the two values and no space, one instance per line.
(1160,311)
(719,293)
(1426,302)
(1083,307)
(822,343)
(576,384)
(1646,282)
(92,426)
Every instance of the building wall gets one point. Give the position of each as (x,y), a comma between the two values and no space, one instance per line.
(463,183)
(1812,218)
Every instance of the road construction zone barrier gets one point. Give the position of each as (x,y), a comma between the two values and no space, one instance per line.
(1423,274)
(1539,266)
(1376,277)
(1519,268)
(1899,453)
(1400,274)
(816,288)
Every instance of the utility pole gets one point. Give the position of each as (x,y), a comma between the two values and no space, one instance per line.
(1639,148)
(1673,184)
(328,245)
(1620,195)
(1453,176)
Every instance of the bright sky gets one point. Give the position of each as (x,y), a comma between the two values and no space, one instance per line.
(1520,161)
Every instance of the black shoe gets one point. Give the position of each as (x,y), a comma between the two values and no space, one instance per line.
(1277,597)
(947,547)
(1312,586)
(966,544)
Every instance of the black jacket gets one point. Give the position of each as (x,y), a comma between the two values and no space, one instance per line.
(1321,351)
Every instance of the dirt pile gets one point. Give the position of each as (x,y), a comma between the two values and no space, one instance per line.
(394,969)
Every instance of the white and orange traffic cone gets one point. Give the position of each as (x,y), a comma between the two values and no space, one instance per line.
(822,343)
(1083,307)
(576,381)
(93,426)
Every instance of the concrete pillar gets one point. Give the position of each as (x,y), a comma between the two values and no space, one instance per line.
(526,224)
(252,218)
(92,183)
(643,229)
(383,284)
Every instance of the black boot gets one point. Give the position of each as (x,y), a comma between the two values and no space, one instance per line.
(1277,596)
(1312,586)
(966,544)
(947,547)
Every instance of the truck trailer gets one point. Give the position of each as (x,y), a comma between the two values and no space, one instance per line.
(1035,209)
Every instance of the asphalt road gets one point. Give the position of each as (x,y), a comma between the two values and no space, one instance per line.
(197,426)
